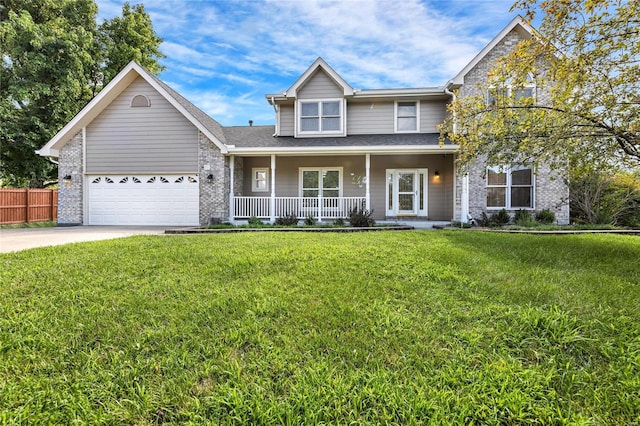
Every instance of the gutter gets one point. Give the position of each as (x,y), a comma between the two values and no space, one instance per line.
(351,150)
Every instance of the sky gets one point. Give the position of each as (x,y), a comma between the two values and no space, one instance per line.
(225,55)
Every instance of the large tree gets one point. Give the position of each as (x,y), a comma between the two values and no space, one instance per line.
(54,59)
(583,67)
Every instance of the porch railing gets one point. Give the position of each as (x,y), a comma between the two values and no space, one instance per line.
(301,207)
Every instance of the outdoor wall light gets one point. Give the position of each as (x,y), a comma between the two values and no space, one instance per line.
(210,177)
(66,177)
(436,174)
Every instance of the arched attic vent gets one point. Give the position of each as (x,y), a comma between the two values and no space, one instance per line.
(140,101)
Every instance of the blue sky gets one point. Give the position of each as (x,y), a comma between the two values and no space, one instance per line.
(224,56)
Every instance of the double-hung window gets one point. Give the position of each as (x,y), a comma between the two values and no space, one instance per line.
(503,94)
(321,187)
(510,188)
(407,116)
(260,179)
(323,116)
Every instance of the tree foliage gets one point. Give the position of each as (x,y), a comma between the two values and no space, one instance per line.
(605,197)
(54,59)
(584,70)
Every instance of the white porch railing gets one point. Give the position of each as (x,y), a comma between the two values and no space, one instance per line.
(301,207)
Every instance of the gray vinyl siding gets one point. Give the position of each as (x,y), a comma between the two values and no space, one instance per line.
(157,139)
(287,120)
(320,86)
(432,113)
(368,118)
(287,173)
(440,192)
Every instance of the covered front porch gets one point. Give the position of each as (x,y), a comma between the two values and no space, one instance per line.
(396,187)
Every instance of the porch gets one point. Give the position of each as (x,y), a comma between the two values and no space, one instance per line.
(396,187)
(320,208)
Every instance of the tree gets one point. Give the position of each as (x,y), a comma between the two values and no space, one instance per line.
(46,57)
(127,38)
(583,67)
(54,59)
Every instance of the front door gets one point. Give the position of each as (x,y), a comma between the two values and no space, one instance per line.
(406,192)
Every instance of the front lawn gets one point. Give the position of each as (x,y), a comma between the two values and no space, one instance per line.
(367,328)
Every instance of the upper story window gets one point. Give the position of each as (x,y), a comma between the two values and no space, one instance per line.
(502,93)
(407,116)
(320,116)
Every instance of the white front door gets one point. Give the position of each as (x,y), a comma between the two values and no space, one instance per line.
(406,193)
(406,196)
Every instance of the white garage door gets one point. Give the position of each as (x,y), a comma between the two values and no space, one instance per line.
(143,200)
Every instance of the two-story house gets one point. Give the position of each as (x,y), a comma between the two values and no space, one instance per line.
(140,153)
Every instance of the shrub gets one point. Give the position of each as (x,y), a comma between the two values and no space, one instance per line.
(361,218)
(605,197)
(483,220)
(496,219)
(288,220)
(339,222)
(310,220)
(545,216)
(523,218)
(253,221)
(500,218)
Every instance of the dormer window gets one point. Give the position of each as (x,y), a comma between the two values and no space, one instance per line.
(407,117)
(320,116)
(140,101)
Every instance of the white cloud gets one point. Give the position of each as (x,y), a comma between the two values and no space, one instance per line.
(226,55)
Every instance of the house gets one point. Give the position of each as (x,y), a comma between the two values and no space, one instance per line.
(140,153)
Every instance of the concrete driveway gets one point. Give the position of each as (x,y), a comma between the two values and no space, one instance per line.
(25,238)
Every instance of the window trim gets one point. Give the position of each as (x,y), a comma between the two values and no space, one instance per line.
(135,101)
(341,118)
(508,88)
(396,117)
(508,170)
(320,170)
(254,180)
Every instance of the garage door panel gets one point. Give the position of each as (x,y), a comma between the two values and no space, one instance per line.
(143,200)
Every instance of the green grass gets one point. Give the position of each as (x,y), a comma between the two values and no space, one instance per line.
(367,328)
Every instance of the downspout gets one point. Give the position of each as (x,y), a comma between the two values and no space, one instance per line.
(464,196)
(453,96)
(275,109)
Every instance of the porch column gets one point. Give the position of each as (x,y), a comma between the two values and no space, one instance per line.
(367,194)
(232,168)
(464,201)
(272,201)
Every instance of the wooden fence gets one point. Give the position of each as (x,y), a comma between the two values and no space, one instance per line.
(28,205)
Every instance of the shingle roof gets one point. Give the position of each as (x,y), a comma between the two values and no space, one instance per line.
(262,137)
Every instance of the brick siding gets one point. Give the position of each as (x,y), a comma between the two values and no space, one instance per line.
(551,189)
(70,206)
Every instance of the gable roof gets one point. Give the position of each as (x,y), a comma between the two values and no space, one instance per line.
(319,64)
(517,23)
(207,125)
